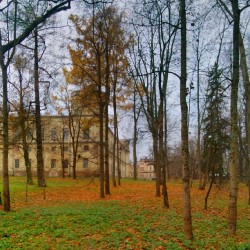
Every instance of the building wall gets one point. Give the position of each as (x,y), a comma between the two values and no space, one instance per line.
(56,138)
(146,169)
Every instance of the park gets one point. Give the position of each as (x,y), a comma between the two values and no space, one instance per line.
(68,214)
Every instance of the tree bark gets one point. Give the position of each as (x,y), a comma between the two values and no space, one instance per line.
(245,76)
(115,156)
(135,138)
(107,98)
(163,165)
(5,160)
(198,150)
(39,142)
(184,127)
(157,165)
(232,213)
(107,186)
(118,152)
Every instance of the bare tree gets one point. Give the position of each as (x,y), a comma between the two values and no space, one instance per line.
(19,35)
(188,231)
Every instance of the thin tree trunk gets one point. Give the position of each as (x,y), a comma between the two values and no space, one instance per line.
(245,76)
(209,190)
(184,127)
(62,155)
(115,156)
(232,213)
(134,139)
(107,186)
(5,162)
(163,166)
(198,149)
(118,149)
(39,142)
(107,98)
(157,165)
(102,195)
(26,155)
(101,129)
(74,165)
(23,120)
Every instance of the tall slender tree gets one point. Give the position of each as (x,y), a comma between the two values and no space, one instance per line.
(19,35)
(188,231)
(99,60)
(155,34)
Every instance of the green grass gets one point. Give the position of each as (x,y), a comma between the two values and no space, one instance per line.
(112,224)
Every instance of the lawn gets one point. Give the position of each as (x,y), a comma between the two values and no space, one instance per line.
(72,216)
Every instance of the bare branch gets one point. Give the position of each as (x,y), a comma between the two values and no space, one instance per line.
(63,6)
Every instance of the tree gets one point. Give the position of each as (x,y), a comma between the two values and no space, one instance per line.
(23,109)
(216,139)
(155,28)
(245,76)
(19,35)
(184,128)
(100,50)
(39,141)
(136,115)
(235,15)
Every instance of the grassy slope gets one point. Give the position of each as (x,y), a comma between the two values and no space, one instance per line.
(73,217)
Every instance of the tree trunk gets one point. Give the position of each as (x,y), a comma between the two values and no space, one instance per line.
(26,155)
(39,142)
(101,129)
(5,162)
(157,165)
(74,165)
(23,119)
(245,76)
(62,155)
(102,195)
(232,213)
(209,190)
(118,152)
(106,107)
(198,149)
(115,156)
(107,186)
(163,166)
(134,140)
(184,127)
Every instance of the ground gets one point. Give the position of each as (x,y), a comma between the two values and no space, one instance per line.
(68,214)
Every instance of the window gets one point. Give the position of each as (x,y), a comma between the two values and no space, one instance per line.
(65,134)
(30,135)
(85,162)
(53,134)
(65,163)
(17,163)
(53,163)
(85,148)
(86,134)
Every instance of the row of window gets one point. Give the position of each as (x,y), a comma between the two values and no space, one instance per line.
(66,149)
(54,135)
(53,163)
